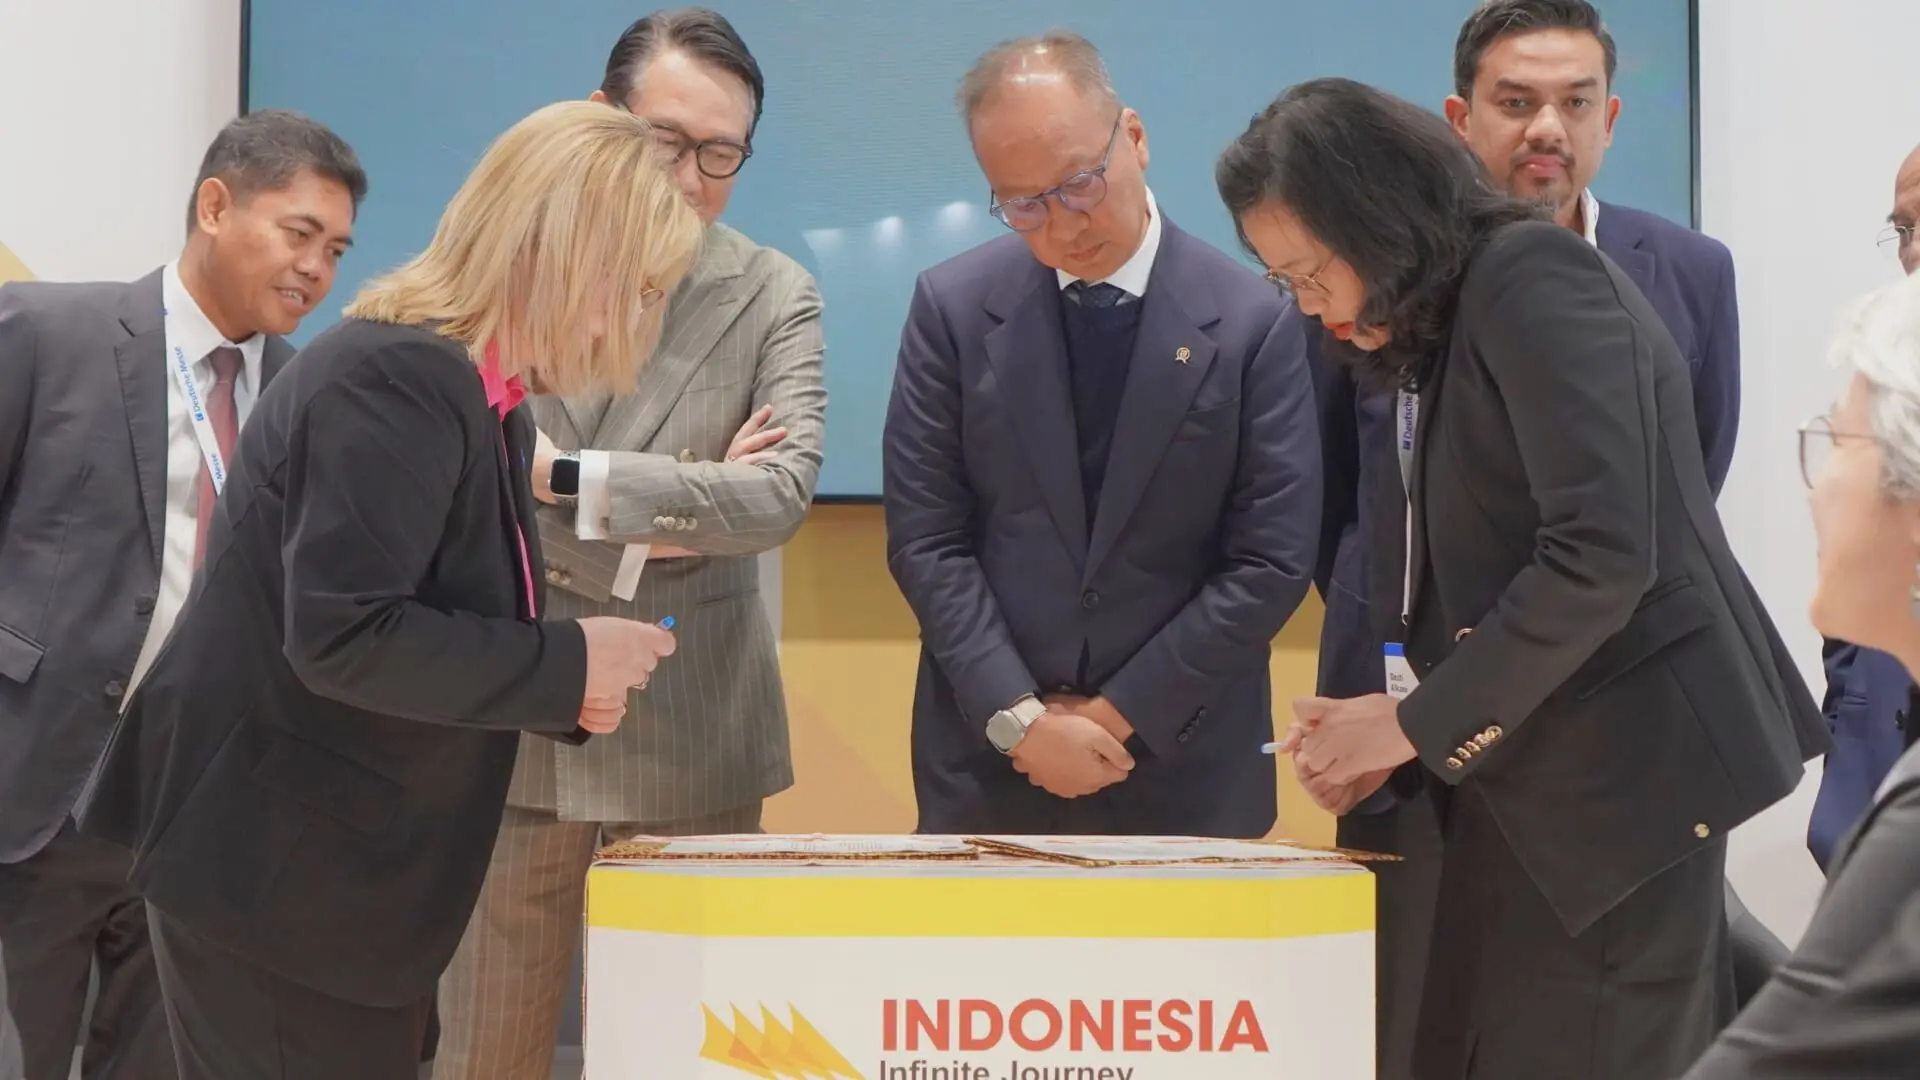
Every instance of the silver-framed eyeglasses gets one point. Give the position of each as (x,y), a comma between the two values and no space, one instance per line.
(1817,443)
(1894,237)
(1080,193)
(1295,284)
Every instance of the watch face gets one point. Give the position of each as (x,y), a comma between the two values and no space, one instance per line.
(1004,731)
(565,479)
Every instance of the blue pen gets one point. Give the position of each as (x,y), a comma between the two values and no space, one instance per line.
(666,623)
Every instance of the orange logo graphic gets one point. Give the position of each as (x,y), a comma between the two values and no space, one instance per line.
(774,1051)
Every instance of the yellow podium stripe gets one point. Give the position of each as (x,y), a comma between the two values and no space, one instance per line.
(1093,906)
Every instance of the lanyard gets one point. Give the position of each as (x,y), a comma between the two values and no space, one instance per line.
(196,404)
(1406,412)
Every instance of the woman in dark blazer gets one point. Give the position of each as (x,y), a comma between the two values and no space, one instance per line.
(1847,1005)
(1585,684)
(312,775)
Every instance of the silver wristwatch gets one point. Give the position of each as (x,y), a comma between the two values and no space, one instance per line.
(1007,727)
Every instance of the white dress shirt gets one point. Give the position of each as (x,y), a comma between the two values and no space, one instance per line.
(181,517)
(1132,276)
(1590,216)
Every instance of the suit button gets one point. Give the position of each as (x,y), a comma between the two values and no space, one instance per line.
(663,522)
(1702,831)
(1185,734)
(143,605)
(114,689)
(1089,599)
(1455,763)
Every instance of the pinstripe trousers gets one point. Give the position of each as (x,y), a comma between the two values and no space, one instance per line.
(501,997)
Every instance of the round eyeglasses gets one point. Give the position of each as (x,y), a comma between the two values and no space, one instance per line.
(717,159)
(1817,443)
(1080,193)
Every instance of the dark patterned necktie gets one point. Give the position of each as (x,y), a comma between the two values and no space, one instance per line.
(1097,295)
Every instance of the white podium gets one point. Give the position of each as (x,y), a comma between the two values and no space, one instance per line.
(947,958)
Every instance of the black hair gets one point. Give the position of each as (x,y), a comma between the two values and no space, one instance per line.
(265,150)
(1391,190)
(1496,20)
(701,34)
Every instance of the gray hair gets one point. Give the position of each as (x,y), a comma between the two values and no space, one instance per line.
(265,150)
(1057,52)
(1879,339)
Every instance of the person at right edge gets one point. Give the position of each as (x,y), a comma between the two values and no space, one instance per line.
(1582,683)
(1867,690)
(1533,99)
(1847,1005)
(312,776)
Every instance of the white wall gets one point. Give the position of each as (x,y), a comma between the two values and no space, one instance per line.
(1806,111)
(108,106)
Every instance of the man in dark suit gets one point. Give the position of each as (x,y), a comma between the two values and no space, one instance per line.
(1102,486)
(121,405)
(1533,99)
(1867,690)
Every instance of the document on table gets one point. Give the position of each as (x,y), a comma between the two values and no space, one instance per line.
(749,846)
(1160,849)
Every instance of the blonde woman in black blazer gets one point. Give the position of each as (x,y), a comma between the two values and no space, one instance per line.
(312,775)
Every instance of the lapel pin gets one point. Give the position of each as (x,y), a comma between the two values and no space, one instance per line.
(1183,354)
(686,457)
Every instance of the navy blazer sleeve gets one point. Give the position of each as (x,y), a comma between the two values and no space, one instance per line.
(1268,537)
(1334,395)
(1716,386)
(930,508)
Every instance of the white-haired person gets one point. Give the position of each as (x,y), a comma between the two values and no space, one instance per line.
(312,775)
(1847,1005)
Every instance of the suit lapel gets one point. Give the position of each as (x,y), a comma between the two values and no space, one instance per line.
(273,356)
(517,490)
(142,359)
(1171,357)
(1416,486)
(1623,247)
(701,310)
(1028,354)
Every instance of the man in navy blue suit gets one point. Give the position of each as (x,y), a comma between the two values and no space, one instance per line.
(1533,81)
(1102,486)
(1868,693)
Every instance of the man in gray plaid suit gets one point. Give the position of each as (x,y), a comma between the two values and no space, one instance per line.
(711,461)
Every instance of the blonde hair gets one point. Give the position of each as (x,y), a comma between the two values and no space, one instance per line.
(568,217)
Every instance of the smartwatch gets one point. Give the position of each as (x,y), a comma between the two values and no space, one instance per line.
(1007,727)
(564,480)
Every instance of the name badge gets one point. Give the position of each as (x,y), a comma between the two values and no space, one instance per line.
(1401,681)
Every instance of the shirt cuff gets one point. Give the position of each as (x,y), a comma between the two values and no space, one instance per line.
(594,504)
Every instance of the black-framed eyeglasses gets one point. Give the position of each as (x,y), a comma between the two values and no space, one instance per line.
(1080,192)
(717,159)
(1294,284)
(1896,237)
(1817,442)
